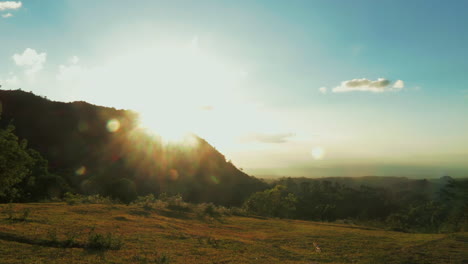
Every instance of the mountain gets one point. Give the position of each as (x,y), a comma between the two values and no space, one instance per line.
(102,150)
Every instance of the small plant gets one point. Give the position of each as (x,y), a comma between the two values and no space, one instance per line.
(158,259)
(25,214)
(213,242)
(10,211)
(147,202)
(163,259)
(73,199)
(13,215)
(52,236)
(176,203)
(70,239)
(98,241)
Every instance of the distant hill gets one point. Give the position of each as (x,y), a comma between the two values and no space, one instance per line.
(82,146)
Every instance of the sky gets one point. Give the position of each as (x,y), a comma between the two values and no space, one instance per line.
(281,88)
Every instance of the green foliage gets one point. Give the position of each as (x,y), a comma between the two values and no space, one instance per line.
(24,172)
(439,205)
(73,199)
(162,259)
(275,202)
(98,241)
(158,258)
(176,203)
(147,202)
(14,215)
(15,163)
(124,190)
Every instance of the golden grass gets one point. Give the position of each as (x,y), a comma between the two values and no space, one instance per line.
(151,236)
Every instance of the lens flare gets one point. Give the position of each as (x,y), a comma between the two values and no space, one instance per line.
(113,125)
(81,170)
(318,153)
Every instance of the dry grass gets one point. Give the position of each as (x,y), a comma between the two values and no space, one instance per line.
(58,233)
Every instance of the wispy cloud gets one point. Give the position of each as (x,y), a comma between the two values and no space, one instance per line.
(399,84)
(11,82)
(7,15)
(206,108)
(366,85)
(70,72)
(323,90)
(268,138)
(30,60)
(5,5)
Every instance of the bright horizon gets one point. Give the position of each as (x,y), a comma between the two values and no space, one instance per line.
(309,88)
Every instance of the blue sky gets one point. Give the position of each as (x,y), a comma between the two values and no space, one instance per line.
(301,88)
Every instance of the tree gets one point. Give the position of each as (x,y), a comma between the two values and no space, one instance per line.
(14,163)
(276,202)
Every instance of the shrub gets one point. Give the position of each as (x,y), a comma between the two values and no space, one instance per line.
(237,211)
(9,211)
(163,259)
(147,202)
(98,241)
(73,199)
(176,203)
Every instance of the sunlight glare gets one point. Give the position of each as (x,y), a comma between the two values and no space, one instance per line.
(318,153)
(113,125)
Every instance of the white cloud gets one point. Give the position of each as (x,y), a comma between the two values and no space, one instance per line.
(74,60)
(5,5)
(70,72)
(7,15)
(31,60)
(366,85)
(11,82)
(268,138)
(399,84)
(323,90)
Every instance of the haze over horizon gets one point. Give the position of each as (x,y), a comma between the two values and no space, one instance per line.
(308,88)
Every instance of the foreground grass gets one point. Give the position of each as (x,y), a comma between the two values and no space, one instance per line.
(61,233)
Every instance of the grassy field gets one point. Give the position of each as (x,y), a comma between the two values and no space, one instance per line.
(97,233)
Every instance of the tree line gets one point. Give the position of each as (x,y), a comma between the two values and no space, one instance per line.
(419,208)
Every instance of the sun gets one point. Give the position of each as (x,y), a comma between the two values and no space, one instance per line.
(177,89)
(184,83)
(169,127)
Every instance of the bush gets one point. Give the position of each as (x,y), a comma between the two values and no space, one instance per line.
(209,210)
(73,199)
(98,241)
(147,202)
(176,203)
(238,211)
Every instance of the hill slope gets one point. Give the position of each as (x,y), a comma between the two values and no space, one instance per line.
(102,150)
(165,236)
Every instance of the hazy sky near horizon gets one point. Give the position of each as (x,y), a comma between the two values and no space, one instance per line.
(300,88)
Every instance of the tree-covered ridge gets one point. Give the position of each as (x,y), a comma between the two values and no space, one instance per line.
(438,205)
(76,140)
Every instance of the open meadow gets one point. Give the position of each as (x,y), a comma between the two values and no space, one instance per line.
(114,233)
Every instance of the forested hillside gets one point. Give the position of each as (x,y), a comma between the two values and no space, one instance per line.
(101,150)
